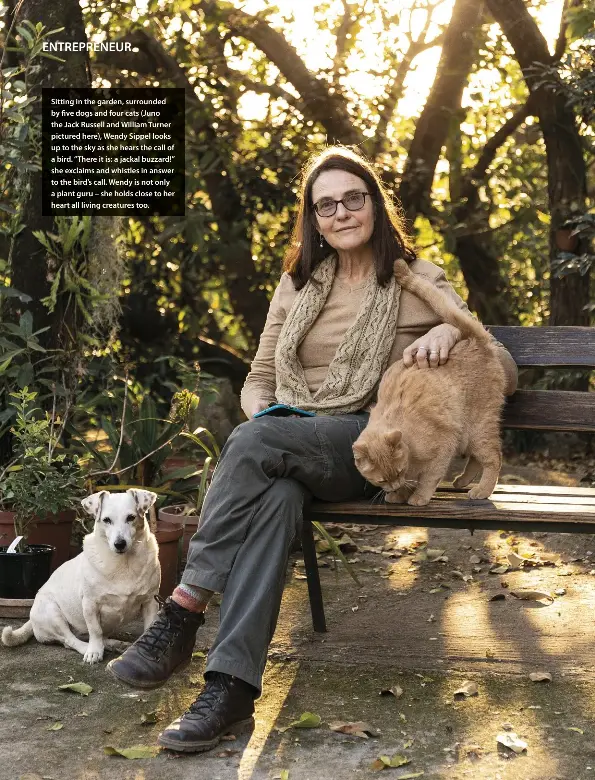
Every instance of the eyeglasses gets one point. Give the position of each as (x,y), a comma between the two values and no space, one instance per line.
(353,201)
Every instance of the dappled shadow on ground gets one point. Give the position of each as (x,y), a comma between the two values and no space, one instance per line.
(413,624)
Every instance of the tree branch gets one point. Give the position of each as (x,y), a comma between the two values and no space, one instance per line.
(396,89)
(274,90)
(495,142)
(318,103)
(560,47)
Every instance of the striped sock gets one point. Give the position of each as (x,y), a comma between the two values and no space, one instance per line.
(192,598)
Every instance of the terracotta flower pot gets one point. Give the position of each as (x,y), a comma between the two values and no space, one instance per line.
(169,538)
(54,530)
(189,523)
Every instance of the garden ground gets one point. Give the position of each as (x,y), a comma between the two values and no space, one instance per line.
(418,625)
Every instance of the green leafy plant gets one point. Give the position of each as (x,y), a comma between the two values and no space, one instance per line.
(139,443)
(40,480)
(19,351)
(20,138)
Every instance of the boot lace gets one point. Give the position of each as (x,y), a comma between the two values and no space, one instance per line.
(163,631)
(209,696)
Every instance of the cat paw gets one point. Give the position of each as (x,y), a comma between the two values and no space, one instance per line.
(461,481)
(396,497)
(476,492)
(418,500)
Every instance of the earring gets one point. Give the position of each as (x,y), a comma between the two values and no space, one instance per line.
(321,241)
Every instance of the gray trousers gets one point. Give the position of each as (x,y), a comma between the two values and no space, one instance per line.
(252,513)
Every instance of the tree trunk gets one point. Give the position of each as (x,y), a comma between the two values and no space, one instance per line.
(489,294)
(566,166)
(432,127)
(29,267)
(250,304)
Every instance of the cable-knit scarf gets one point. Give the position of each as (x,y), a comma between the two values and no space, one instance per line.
(361,357)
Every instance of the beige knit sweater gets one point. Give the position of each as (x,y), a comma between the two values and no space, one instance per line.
(340,310)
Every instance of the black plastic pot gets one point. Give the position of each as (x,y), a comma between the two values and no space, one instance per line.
(23,574)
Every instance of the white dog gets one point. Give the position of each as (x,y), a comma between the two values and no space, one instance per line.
(114,580)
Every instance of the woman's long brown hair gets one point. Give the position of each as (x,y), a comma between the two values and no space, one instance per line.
(389,240)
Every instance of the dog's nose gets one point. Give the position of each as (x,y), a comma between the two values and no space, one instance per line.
(120,545)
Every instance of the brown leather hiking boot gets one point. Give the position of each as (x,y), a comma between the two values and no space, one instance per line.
(225,702)
(164,648)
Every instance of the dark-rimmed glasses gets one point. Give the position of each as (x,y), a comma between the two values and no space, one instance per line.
(353,201)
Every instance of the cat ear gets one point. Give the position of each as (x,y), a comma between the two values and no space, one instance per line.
(393,437)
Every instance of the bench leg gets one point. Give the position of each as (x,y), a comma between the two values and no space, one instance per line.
(313,576)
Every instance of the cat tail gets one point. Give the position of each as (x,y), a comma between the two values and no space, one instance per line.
(424,289)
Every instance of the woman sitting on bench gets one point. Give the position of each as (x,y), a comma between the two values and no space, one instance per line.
(337,320)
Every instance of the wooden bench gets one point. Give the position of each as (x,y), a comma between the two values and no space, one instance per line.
(510,507)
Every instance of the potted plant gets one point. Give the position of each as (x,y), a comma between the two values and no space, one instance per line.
(189,511)
(135,456)
(38,490)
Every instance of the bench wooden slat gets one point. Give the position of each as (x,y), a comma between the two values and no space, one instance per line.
(550,410)
(498,509)
(517,498)
(532,490)
(549,347)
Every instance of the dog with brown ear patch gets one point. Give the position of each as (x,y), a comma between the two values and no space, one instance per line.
(112,582)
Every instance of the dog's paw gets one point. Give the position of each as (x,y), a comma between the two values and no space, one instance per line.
(93,655)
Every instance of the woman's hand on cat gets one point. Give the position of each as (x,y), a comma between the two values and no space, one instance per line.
(432,348)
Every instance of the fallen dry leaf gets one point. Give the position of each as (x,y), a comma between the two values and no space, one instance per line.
(426,554)
(384,762)
(307,720)
(499,569)
(532,595)
(515,560)
(574,728)
(137,751)
(366,548)
(540,677)
(357,729)
(511,741)
(468,688)
(79,687)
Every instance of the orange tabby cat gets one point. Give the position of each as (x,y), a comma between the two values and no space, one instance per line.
(426,416)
